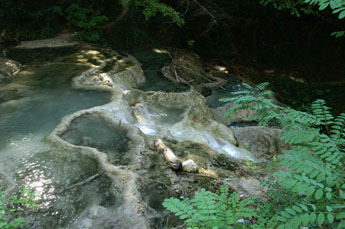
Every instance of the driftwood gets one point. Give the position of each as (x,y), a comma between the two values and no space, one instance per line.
(89,179)
(186,67)
(174,161)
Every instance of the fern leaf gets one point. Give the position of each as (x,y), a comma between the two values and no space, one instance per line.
(322,113)
(338,128)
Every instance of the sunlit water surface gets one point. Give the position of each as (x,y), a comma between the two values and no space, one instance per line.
(26,160)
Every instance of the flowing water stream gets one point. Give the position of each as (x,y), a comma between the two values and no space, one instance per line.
(69,184)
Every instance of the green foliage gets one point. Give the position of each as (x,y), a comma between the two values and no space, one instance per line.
(338,34)
(190,43)
(314,164)
(84,18)
(10,207)
(257,99)
(152,7)
(295,7)
(277,200)
(210,210)
(337,6)
(306,7)
(28,20)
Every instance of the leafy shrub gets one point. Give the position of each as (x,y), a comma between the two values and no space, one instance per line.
(315,162)
(86,19)
(152,7)
(21,20)
(210,210)
(256,99)
(312,181)
(10,207)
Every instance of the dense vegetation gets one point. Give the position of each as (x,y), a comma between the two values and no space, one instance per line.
(12,208)
(309,191)
(290,39)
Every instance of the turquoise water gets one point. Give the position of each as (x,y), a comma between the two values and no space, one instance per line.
(31,106)
(40,113)
(94,131)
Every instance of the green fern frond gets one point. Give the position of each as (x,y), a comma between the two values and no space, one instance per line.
(322,113)
(183,208)
(262,86)
(313,173)
(338,129)
(210,210)
(298,136)
(257,99)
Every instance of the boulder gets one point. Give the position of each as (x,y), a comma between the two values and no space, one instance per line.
(189,166)
(263,141)
(238,116)
(8,68)
(247,186)
(123,72)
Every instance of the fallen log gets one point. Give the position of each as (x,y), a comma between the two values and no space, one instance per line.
(174,162)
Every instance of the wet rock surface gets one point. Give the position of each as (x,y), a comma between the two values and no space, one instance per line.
(104,171)
(63,40)
(8,68)
(263,141)
(238,116)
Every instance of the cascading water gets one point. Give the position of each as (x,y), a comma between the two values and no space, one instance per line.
(99,158)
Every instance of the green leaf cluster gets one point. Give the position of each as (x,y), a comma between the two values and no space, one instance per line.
(309,191)
(152,7)
(11,206)
(255,98)
(210,210)
(21,20)
(314,164)
(337,6)
(296,7)
(83,17)
(299,7)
